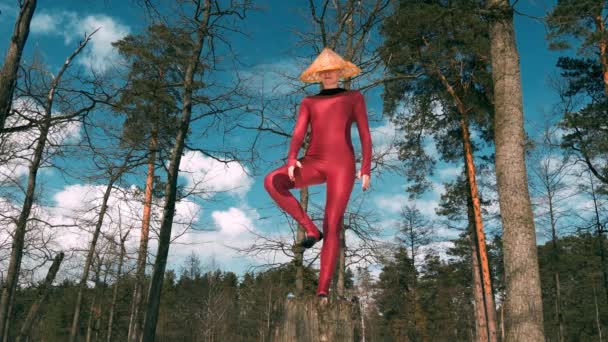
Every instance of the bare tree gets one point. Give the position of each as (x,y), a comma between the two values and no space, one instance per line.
(18,241)
(118,278)
(115,173)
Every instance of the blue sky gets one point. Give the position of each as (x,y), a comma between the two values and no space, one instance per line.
(270,44)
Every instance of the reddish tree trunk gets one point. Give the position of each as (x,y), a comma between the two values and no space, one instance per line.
(138,292)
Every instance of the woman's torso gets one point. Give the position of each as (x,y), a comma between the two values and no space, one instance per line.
(331,118)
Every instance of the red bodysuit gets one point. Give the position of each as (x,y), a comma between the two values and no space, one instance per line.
(330,158)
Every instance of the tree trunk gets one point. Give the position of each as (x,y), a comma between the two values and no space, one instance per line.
(479,233)
(555,259)
(12,277)
(600,29)
(600,238)
(299,255)
(8,74)
(158,273)
(93,313)
(304,319)
(481,326)
(342,261)
(524,310)
(89,260)
(136,304)
(300,235)
(475,203)
(597,315)
(43,293)
(115,292)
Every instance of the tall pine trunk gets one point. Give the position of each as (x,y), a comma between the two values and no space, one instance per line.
(601,30)
(523,304)
(152,308)
(8,74)
(12,275)
(138,291)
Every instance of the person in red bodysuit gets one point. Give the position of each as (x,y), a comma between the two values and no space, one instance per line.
(329,159)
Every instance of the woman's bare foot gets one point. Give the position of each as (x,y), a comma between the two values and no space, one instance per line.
(323,300)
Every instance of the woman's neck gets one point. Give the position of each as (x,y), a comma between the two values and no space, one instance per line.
(331,91)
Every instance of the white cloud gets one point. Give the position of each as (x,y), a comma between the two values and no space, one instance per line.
(43,23)
(19,146)
(208,175)
(391,203)
(273,78)
(99,53)
(449,173)
(232,222)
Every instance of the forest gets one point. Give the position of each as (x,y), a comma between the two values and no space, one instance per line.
(135,137)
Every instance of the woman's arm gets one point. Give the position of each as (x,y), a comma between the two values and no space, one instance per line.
(364,134)
(299,132)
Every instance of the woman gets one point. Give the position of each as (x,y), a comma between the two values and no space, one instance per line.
(329,159)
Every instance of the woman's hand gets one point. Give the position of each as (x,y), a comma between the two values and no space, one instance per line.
(291,168)
(365,184)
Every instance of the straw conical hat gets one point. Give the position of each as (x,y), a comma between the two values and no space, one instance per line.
(329,60)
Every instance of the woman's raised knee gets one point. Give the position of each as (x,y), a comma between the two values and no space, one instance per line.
(276,180)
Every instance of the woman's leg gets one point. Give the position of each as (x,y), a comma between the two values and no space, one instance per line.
(339,187)
(278,184)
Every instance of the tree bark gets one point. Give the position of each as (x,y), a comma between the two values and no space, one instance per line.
(8,74)
(43,293)
(12,276)
(479,233)
(135,322)
(304,319)
(481,326)
(523,304)
(151,316)
(600,28)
